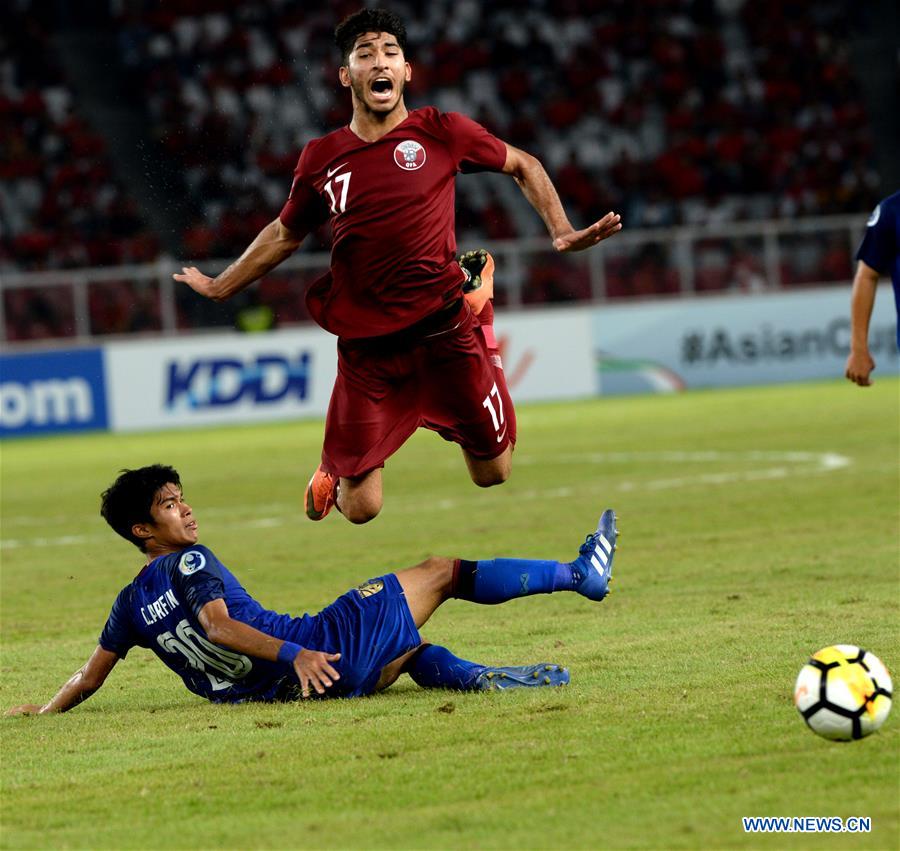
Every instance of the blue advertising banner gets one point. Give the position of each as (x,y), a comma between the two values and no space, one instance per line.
(47,392)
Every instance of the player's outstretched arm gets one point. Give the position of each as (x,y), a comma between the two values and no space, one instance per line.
(273,244)
(537,187)
(81,685)
(313,667)
(860,362)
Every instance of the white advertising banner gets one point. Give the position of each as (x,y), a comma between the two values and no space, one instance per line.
(222,378)
(735,340)
(547,354)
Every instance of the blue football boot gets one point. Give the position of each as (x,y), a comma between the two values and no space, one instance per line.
(544,674)
(592,570)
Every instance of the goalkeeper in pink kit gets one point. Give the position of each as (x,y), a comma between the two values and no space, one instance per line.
(414,325)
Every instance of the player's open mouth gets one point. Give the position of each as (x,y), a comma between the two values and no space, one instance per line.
(382,88)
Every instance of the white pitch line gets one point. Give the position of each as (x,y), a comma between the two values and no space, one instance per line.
(807,464)
(62,541)
(830,460)
(265,523)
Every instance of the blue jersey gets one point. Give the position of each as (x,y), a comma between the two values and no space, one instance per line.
(159,610)
(880,247)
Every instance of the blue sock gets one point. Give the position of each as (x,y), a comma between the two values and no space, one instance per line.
(502,579)
(436,667)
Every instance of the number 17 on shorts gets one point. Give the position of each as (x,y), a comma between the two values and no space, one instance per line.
(493,402)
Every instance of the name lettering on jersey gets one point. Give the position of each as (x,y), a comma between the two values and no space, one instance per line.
(159,608)
(191,562)
(410,155)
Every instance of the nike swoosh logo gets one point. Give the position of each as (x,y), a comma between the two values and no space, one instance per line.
(501,435)
(331,171)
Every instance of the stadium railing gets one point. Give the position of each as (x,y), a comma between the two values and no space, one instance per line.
(85,305)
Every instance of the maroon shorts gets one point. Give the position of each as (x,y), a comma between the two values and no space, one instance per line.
(439,376)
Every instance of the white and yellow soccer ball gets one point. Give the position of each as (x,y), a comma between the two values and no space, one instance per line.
(843,692)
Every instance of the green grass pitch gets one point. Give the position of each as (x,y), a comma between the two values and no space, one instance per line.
(758,525)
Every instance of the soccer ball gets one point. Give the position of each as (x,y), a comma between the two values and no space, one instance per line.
(843,692)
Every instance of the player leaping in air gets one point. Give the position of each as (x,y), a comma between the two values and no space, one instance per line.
(192,612)
(413,349)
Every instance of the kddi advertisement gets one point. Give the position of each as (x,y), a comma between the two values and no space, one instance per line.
(217,379)
(734,340)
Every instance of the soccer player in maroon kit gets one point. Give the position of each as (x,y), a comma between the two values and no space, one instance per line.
(413,350)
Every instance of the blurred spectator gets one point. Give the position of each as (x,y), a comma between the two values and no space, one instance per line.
(37,313)
(253,314)
(746,274)
(553,277)
(123,307)
(60,203)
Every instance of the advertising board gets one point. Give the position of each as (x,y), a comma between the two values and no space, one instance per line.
(717,341)
(224,378)
(47,392)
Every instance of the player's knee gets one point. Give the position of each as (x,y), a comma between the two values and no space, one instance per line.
(361,513)
(360,500)
(486,477)
(360,505)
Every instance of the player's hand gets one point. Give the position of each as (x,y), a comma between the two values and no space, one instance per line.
(859,367)
(314,670)
(578,240)
(196,280)
(25,709)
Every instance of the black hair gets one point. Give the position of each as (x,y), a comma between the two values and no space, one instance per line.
(129,498)
(367,21)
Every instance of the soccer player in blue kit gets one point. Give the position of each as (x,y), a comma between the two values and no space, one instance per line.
(879,254)
(192,612)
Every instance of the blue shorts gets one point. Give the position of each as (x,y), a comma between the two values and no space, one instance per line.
(370,626)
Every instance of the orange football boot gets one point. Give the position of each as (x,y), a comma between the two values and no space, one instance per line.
(320,494)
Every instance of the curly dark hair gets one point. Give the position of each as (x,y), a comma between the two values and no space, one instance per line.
(367,21)
(129,498)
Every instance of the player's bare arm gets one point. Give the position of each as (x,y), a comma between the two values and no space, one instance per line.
(274,244)
(80,686)
(313,667)
(537,187)
(860,362)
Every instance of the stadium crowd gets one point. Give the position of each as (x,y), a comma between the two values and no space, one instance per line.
(672,112)
(61,204)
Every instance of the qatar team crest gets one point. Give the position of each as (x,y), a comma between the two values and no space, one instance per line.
(191,562)
(409,155)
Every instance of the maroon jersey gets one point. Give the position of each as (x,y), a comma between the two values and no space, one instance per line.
(391,204)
